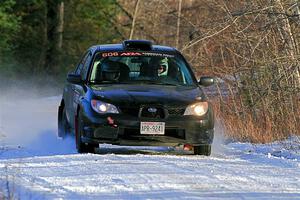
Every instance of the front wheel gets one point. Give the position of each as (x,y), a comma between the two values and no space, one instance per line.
(202,150)
(80,146)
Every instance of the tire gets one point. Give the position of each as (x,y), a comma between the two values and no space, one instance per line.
(63,125)
(80,146)
(202,150)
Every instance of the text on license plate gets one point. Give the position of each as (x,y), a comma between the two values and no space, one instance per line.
(157,128)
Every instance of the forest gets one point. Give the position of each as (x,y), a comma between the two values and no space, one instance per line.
(250,47)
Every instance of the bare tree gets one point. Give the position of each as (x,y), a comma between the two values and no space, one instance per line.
(251,46)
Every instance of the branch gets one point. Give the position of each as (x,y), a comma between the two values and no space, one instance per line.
(190,44)
(134,18)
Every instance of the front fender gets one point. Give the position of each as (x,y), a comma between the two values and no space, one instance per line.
(84,107)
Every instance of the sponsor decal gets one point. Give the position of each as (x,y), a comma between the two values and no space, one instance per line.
(157,54)
(110,54)
(130,54)
(115,54)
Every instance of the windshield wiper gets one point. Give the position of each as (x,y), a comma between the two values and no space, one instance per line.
(163,83)
(137,81)
(99,82)
(154,82)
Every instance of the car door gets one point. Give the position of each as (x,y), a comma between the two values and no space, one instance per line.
(70,92)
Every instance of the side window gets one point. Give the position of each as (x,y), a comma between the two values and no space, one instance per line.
(81,64)
(86,65)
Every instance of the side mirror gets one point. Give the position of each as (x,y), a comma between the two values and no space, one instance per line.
(74,78)
(206,81)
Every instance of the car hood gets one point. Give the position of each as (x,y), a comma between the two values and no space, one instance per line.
(148,94)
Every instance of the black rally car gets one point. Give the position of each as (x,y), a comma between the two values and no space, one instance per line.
(136,93)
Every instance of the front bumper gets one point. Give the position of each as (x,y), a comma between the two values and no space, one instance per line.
(126,130)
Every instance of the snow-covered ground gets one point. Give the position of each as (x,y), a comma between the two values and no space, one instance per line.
(34,164)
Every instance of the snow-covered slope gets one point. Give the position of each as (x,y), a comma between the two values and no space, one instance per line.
(34,164)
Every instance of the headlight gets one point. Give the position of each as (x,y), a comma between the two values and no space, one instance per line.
(103,108)
(197,109)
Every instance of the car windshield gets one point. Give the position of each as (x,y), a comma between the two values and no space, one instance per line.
(140,68)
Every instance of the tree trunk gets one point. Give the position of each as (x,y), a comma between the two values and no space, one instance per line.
(60,26)
(55,14)
(178,24)
(43,52)
(134,18)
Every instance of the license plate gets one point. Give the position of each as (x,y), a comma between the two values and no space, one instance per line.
(152,128)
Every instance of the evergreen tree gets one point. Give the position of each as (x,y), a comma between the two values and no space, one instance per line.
(9,25)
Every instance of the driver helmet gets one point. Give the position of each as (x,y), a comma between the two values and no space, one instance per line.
(110,71)
(163,67)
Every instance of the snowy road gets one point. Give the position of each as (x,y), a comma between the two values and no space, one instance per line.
(39,166)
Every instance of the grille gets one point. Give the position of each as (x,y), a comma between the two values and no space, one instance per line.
(130,111)
(159,113)
(176,111)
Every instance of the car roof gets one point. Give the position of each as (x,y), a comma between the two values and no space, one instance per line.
(120,47)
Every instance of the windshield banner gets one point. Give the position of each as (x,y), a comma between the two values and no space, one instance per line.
(126,54)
